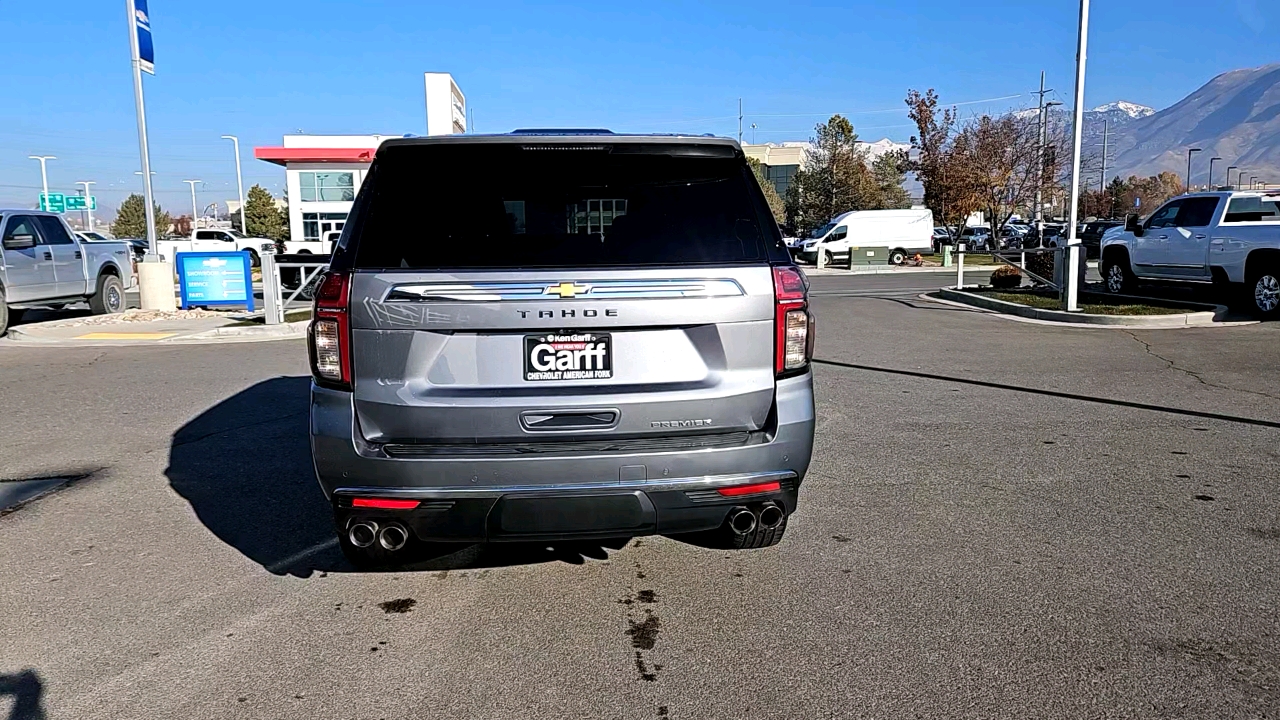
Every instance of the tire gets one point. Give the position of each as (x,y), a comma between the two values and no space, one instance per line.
(830,259)
(109,298)
(1117,277)
(1264,289)
(254,260)
(4,314)
(897,257)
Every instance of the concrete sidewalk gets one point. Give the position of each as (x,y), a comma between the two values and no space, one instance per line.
(892,270)
(139,327)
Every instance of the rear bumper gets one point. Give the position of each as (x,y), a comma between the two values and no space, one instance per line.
(571,495)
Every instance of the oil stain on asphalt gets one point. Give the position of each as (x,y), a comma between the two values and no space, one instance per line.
(402,605)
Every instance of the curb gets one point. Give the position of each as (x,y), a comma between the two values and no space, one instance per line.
(1205,318)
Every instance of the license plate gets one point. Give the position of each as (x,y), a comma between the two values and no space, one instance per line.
(573,356)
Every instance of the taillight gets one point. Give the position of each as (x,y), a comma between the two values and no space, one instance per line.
(794,324)
(330,336)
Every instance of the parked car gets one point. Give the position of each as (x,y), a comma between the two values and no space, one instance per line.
(976,238)
(521,368)
(44,264)
(1228,238)
(1091,238)
(902,232)
(92,236)
(215,240)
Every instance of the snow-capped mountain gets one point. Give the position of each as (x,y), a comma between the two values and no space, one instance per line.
(882,146)
(1133,110)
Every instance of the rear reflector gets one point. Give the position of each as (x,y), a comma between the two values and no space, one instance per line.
(387,504)
(757,488)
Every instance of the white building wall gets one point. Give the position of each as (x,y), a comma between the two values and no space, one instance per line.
(446,105)
(294,186)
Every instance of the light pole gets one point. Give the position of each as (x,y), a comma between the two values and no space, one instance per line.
(194,212)
(1253,180)
(1229,169)
(240,182)
(1212,160)
(1071,289)
(1189,151)
(44,176)
(753,133)
(87,209)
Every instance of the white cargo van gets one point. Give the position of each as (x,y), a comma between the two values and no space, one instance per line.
(902,232)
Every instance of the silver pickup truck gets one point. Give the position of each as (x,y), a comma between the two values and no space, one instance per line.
(1230,239)
(43,263)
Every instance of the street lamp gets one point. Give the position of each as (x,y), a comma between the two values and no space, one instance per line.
(1212,160)
(1253,180)
(44,176)
(194,212)
(1229,169)
(1189,152)
(753,133)
(87,209)
(240,182)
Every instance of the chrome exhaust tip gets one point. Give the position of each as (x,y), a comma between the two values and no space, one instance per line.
(742,520)
(362,534)
(393,537)
(771,516)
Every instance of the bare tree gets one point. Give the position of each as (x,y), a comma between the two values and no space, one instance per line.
(1003,165)
(943,163)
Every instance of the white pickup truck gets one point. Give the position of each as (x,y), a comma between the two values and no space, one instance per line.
(1230,239)
(216,241)
(44,264)
(313,247)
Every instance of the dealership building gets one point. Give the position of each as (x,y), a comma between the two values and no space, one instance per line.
(323,172)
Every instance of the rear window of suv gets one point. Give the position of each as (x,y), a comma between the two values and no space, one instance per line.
(508,205)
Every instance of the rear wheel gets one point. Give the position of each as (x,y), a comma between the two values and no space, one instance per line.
(1116,275)
(897,257)
(1266,292)
(110,296)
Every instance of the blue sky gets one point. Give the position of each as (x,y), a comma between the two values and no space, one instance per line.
(265,68)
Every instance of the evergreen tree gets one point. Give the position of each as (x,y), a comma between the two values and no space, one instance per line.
(835,179)
(770,192)
(261,215)
(131,219)
(889,171)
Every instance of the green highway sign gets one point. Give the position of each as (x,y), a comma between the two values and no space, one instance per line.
(53,202)
(78,202)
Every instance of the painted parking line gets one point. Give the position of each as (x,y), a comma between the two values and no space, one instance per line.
(124,336)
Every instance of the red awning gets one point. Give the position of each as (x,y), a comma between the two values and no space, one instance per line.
(284,155)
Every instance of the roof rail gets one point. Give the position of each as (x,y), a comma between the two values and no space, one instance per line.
(561,131)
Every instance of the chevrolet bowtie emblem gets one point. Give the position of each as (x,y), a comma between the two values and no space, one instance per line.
(568,289)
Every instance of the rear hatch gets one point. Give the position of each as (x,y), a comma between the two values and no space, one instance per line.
(526,296)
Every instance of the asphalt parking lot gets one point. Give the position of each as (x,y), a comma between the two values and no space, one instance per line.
(1002,520)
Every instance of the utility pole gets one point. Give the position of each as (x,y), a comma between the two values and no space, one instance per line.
(1071,274)
(1189,152)
(194,212)
(739,121)
(239,181)
(1044,122)
(44,176)
(88,203)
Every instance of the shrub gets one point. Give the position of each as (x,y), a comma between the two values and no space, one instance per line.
(1006,276)
(1041,264)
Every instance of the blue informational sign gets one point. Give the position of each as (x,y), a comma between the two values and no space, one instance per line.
(142,26)
(215,278)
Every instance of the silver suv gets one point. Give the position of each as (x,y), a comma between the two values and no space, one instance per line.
(554,335)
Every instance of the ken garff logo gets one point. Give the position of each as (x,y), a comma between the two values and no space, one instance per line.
(566,290)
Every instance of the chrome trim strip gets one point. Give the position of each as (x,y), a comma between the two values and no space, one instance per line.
(575,290)
(689,483)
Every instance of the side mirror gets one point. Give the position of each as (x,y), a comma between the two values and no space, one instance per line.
(1131,225)
(19,242)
